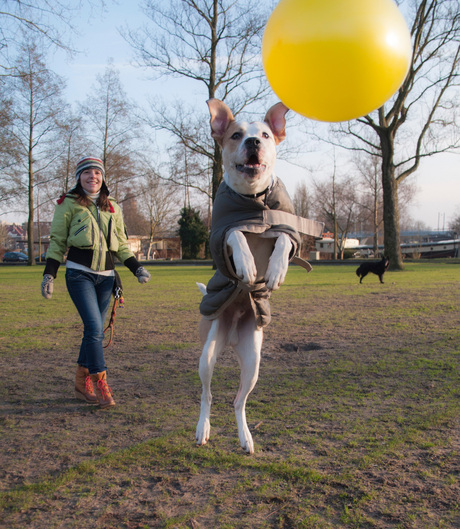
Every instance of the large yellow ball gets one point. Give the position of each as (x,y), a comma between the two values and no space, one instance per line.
(336,60)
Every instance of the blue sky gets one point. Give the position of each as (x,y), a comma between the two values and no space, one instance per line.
(438,180)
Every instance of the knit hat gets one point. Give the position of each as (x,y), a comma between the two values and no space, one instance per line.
(89,162)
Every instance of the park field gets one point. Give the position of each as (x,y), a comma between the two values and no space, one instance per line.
(355,417)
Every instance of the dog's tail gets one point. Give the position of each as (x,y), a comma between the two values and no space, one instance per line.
(358,271)
(202,288)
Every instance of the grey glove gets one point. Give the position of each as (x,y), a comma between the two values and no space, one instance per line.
(142,275)
(47,286)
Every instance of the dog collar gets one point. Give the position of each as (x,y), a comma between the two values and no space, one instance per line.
(257,195)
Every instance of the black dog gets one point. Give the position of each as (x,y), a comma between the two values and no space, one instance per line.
(378,268)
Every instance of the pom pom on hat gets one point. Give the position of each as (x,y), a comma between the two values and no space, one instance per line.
(89,162)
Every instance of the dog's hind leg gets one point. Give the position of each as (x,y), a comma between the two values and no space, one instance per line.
(248,350)
(213,345)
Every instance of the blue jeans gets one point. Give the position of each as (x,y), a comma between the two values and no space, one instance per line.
(91,295)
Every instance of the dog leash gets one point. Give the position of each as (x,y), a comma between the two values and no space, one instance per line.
(112,319)
(118,298)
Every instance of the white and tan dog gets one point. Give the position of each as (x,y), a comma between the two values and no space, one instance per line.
(249,155)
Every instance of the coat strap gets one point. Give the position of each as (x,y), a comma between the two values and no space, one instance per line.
(304,226)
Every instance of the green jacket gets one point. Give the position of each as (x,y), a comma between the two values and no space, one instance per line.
(92,236)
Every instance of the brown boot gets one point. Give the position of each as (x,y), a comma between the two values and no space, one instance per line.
(84,387)
(103,392)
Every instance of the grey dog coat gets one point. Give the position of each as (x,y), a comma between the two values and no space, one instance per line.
(247,213)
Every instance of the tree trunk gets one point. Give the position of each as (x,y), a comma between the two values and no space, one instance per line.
(376,219)
(217,171)
(390,206)
(39,230)
(30,220)
(30,232)
(336,235)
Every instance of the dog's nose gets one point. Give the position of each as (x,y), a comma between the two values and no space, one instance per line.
(252,142)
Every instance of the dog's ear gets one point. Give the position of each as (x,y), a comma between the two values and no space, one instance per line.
(276,120)
(221,117)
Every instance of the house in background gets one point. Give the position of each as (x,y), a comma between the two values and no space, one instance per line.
(16,237)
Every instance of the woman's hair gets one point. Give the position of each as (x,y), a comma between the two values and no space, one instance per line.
(82,198)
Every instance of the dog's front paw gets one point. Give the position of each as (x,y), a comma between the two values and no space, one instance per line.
(274,281)
(278,263)
(246,271)
(245,266)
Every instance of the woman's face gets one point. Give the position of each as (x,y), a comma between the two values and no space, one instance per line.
(91,180)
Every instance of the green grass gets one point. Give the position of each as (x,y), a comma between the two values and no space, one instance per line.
(355,416)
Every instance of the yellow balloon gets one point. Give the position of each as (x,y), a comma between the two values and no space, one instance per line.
(336,60)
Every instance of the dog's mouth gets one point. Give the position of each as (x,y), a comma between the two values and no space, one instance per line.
(252,166)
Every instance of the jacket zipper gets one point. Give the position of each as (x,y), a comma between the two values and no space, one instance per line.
(100,238)
(80,229)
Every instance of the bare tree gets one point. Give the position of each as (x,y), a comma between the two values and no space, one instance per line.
(336,201)
(50,21)
(215,43)
(4,239)
(70,143)
(10,183)
(454,224)
(37,104)
(302,200)
(422,118)
(186,168)
(71,136)
(112,129)
(370,198)
(135,220)
(371,201)
(161,200)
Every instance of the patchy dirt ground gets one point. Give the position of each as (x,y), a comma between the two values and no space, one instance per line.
(355,416)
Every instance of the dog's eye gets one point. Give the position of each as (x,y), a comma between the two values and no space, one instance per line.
(265,135)
(236,136)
